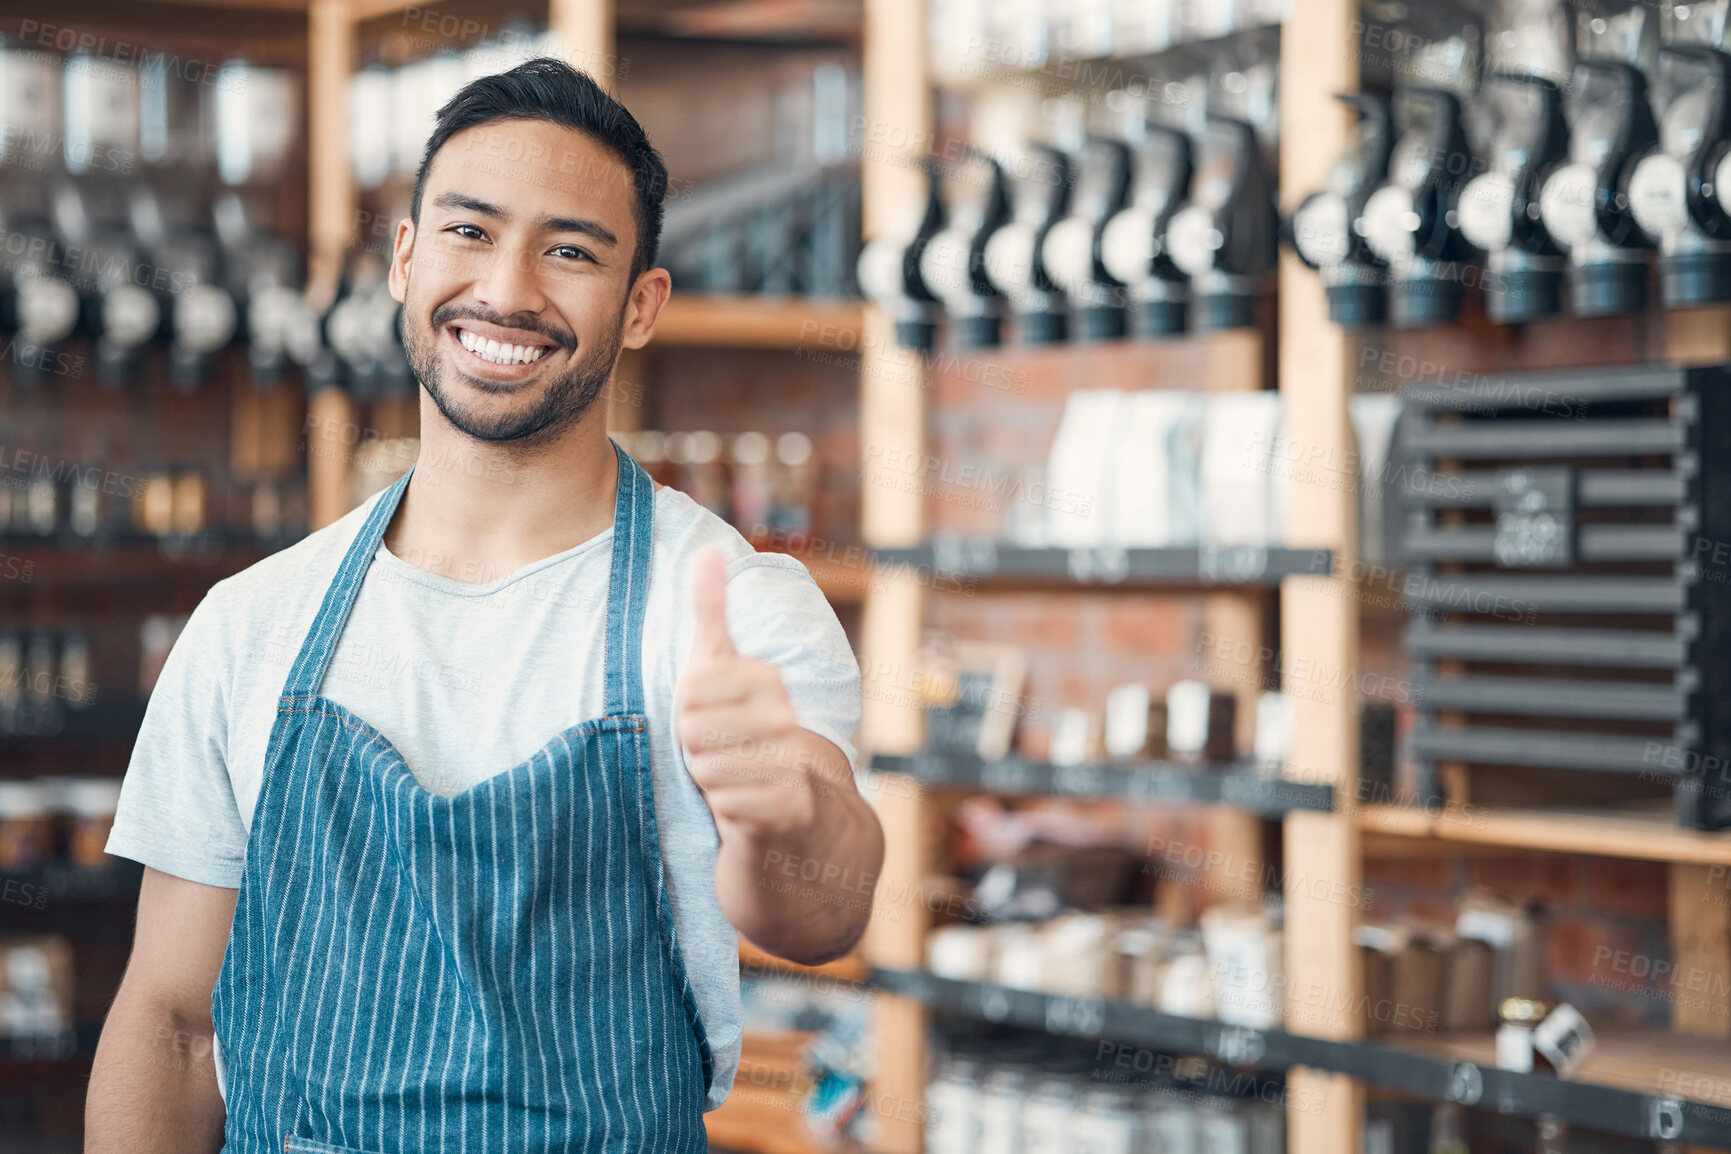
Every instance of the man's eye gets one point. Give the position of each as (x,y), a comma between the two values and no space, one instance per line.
(572,252)
(467,231)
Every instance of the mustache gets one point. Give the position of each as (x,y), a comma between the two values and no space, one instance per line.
(445,314)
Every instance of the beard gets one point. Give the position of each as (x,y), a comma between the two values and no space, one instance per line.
(563,401)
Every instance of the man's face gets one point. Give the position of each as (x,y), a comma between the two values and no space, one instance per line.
(516,282)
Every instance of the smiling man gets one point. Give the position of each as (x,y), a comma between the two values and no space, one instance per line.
(452,810)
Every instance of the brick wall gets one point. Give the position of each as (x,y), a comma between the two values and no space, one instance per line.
(991,416)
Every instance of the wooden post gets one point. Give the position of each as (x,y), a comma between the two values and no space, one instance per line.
(1700,950)
(584,33)
(1319,617)
(892,415)
(330,60)
(331,199)
(1238,621)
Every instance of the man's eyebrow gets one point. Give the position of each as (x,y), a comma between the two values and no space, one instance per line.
(470,204)
(589,228)
(582,225)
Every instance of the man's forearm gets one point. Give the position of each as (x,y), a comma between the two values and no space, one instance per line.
(152,1086)
(806,896)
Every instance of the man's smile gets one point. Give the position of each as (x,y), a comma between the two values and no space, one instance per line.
(495,352)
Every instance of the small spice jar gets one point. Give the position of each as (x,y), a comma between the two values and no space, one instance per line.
(1517,1018)
(91,802)
(26,825)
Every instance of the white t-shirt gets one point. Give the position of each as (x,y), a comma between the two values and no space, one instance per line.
(467,680)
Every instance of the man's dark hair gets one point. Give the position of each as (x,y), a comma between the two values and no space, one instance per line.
(547,88)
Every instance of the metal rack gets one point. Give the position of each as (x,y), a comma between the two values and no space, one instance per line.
(1603,507)
(1238,785)
(1430,1072)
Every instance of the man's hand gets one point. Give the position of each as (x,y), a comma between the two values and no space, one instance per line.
(737,724)
(779,793)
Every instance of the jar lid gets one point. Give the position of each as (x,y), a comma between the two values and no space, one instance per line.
(750,449)
(93,797)
(22,799)
(54,787)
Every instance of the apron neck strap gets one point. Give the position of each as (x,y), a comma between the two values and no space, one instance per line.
(628,587)
(321,641)
(633,528)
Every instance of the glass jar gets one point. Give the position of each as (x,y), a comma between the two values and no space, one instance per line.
(952,1109)
(26,825)
(90,802)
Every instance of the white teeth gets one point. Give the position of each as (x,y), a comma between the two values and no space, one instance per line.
(500,354)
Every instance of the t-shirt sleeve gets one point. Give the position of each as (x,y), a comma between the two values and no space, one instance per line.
(777,613)
(177,811)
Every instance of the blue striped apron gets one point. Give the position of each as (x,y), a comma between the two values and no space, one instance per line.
(409,973)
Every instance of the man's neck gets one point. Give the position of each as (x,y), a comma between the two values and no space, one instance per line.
(475,511)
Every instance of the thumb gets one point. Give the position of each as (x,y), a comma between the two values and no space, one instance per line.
(709,604)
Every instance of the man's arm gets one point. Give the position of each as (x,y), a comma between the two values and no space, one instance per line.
(800,849)
(153,1082)
(805,893)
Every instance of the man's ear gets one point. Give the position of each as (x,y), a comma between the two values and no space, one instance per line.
(402,249)
(643,306)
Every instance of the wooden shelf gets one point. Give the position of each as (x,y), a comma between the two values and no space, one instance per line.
(1635,830)
(849,969)
(842,584)
(761,323)
(1656,1062)
(764,1112)
(301,6)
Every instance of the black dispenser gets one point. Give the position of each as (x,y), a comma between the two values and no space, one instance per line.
(1585,202)
(363,327)
(953,265)
(1039,197)
(1498,210)
(1133,243)
(1226,238)
(1672,190)
(117,311)
(1409,222)
(1325,229)
(1072,246)
(264,276)
(200,316)
(889,272)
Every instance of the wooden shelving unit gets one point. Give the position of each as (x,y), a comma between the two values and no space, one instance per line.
(763,1113)
(1646,832)
(1318,612)
(719,321)
(849,969)
(1320,627)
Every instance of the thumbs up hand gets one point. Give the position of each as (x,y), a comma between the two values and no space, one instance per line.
(742,741)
